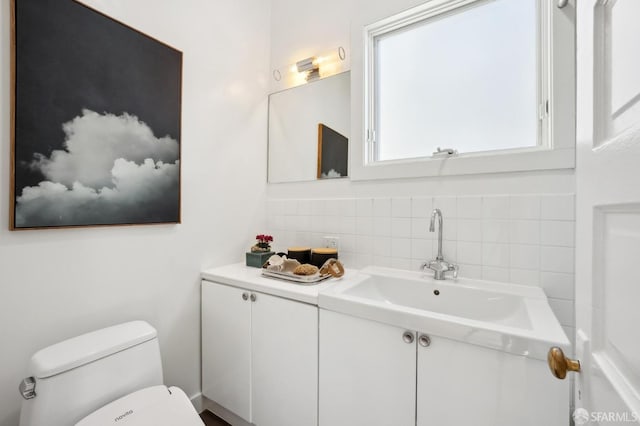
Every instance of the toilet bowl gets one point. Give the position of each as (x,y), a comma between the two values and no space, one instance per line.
(113,375)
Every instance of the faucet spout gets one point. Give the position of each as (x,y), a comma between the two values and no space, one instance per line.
(439,266)
(437,214)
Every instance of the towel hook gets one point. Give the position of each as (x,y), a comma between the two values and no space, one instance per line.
(562,3)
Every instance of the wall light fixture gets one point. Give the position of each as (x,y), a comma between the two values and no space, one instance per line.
(312,68)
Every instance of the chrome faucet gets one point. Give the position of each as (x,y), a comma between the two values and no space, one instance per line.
(439,266)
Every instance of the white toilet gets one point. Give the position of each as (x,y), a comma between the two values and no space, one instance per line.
(113,375)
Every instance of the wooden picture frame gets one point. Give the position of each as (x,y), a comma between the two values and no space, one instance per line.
(333,153)
(95,120)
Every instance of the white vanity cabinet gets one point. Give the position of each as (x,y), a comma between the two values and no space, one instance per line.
(460,383)
(376,374)
(367,373)
(260,355)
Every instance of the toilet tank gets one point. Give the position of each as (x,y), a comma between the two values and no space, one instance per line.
(77,376)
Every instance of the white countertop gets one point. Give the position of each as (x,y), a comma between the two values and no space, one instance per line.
(239,275)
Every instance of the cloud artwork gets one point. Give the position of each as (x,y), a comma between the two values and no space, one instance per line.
(97,107)
(112,170)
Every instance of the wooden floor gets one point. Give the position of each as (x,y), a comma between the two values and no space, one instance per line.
(211,419)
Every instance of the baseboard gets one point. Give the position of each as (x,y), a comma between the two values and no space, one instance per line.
(196,400)
(223,413)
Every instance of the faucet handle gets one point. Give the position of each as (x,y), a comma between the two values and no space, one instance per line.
(454,268)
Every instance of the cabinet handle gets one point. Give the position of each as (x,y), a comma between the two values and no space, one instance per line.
(407,336)
(253,297)
(245,296)
(424,340)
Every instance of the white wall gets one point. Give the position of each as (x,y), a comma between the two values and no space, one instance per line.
(299,31)
(55,284)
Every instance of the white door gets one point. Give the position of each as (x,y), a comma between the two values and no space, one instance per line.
(367,373)
(226,347)
(608,212)
(284,340)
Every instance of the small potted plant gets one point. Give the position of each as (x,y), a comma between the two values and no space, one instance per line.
(260,251)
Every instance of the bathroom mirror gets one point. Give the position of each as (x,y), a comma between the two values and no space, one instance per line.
(309,128)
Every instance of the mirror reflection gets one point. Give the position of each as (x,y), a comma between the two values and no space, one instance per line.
(309,128)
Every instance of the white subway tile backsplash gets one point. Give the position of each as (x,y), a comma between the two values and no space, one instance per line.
(400,263)
(332,207)
(381,246)
(401,247)
(401,207)
(347,225)
(469,207)
(524,207)
(347,207)
(449,230)
(364,226)
(421,249)
(382,207)
(557,233)
(384,261)
(400,227)
(524,257)
(382,226)
(447,205)
(558,207)
(522,239)
(470,253)
(469,230)
(564,311)
(365,259)
(492,273)
(524,232)
(364,244)
(495,231)
(317,224)
(524,277)
(364,207)
(303,223)
(470,271)
(557,285)
(421,206)
(304,207)
(420,228)
(495,207)
(449,250)
(556,259)
(495,255)
(318,208)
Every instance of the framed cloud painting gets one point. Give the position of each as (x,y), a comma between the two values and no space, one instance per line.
(95,120)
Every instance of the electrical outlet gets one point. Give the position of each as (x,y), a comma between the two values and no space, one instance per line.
(332,242)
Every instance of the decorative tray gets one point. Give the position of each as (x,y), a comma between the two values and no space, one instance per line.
(298,279)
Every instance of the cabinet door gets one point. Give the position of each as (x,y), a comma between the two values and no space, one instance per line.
(463,384)
(226,347)
(284,339)
(367,373)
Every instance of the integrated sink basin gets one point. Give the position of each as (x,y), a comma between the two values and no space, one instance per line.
(504,316)
(445,298)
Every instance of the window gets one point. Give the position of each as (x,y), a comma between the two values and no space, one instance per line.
(473,76)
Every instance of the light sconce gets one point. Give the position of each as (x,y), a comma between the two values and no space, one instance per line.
(312,68)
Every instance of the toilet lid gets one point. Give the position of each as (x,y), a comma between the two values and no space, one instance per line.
(153,406)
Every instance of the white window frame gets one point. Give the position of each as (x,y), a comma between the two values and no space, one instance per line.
(556,94)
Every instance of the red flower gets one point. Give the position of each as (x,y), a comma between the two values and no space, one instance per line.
(264,238)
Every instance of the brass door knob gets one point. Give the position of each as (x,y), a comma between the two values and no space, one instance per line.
(560,364)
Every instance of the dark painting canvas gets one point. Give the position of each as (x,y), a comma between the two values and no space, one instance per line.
(333,153)
(96,120)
